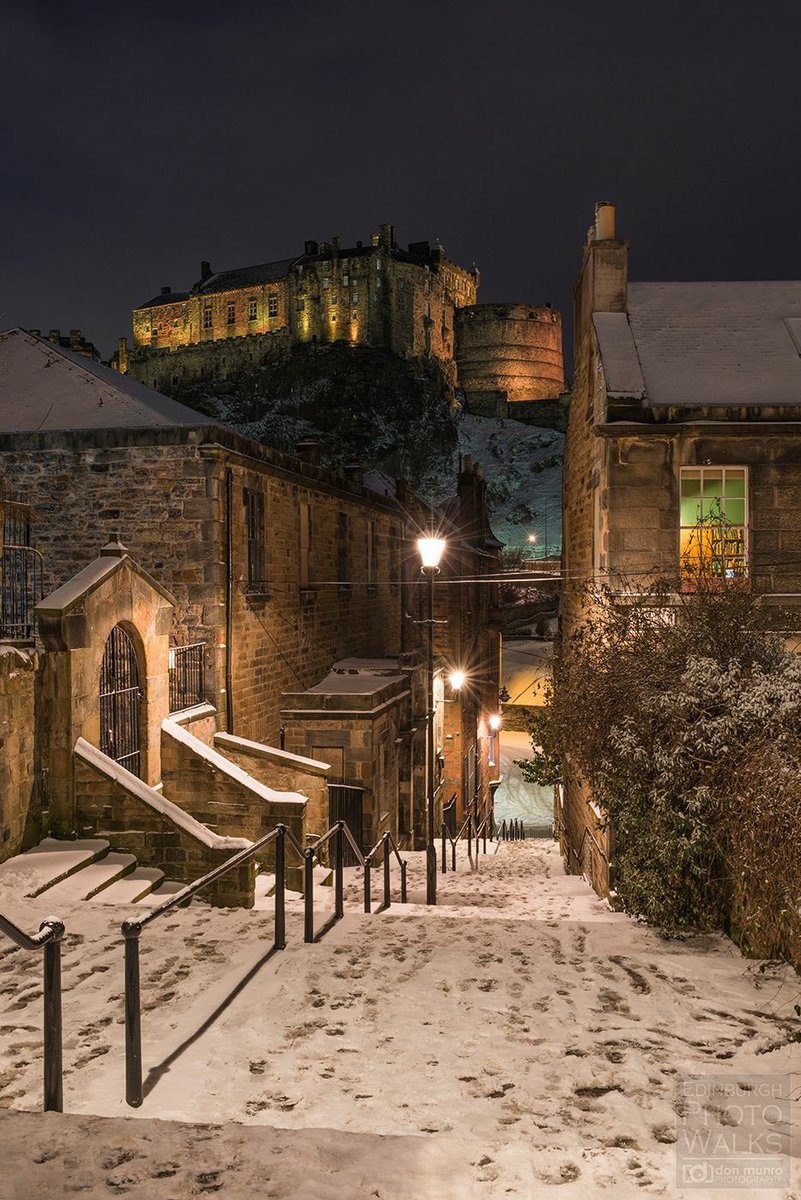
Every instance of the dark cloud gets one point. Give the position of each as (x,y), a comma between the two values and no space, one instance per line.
(138,139)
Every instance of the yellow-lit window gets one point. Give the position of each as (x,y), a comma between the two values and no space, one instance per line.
(253,309)
(272,305)
(714,522)
(207,318)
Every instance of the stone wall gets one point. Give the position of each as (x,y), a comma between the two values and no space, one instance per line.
(166,496)
(283,771)
(166,369)
(511,351)
(20,801)
(218,793)
(110,808)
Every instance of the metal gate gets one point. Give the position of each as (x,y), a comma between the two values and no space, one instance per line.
(120,698)
(346,803)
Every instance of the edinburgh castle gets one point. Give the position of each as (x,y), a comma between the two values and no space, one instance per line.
(414,303)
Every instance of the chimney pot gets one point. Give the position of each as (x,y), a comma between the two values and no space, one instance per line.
(604,221)
(165,291)
(205,270)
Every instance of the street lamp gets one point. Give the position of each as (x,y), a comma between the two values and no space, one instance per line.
(457,680)
(431,550)
(495,722)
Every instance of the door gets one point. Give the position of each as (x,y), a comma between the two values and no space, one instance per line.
(120,700)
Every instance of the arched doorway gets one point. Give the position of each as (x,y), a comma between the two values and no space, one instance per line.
(120,699)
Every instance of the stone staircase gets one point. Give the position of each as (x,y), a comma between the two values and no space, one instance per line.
(67,872)
(87,869)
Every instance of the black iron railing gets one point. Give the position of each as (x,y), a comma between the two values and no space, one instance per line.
(51,931)
(281,835)
(132,932)
(473,830)
(20,591)
(187,676)
(512,831)
(342,838)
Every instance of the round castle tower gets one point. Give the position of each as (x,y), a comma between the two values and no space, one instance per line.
(508,352)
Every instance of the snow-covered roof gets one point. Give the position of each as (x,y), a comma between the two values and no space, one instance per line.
(705,344)
(44,388)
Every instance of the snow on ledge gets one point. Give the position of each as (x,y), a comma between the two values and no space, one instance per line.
(198,712)
(260,750)
(130,783)
(218,762)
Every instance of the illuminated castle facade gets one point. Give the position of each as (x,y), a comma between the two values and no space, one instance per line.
(413,302)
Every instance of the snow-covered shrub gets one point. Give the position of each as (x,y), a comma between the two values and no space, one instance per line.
(658,700)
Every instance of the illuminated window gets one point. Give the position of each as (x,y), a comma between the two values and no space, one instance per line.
(714,522)
(301,305)
(326,284)
(231,318)
(272,305)
(355,297)
(207,318)
(343,548)
(344,281)
(253,309)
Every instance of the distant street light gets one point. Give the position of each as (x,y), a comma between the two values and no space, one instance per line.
(431,551)
(495,722)
(457,680)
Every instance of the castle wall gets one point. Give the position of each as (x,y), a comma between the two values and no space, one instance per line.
(511,352)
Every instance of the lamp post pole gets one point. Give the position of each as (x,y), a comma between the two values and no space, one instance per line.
(431,851)
(431,550)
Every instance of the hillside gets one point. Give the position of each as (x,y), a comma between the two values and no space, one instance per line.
(402,417)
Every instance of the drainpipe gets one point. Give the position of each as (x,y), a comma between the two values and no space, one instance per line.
(229,598)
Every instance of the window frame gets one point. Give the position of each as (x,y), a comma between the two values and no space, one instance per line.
(698,471)
(256,538)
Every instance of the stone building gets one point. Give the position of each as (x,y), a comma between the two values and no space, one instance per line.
(401,300)
(414,302)
(285,582)
(683,451)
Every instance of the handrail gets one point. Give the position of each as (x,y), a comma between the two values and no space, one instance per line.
(48,939)
(132,931)
(474,830)
(387,843)
(340,833)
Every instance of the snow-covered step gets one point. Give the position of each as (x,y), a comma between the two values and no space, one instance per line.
(47,864)
(265,884)
(131,888)
(163,892)
(83,884)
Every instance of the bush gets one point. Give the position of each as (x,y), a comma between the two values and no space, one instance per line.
(662,703)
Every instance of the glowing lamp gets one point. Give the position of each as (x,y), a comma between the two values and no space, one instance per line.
(457,680)
(495,722)
(431,551)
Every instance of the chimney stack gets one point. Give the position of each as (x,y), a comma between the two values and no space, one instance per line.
(205,271)
(165,291)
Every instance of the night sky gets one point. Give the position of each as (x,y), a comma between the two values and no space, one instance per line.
(140,138)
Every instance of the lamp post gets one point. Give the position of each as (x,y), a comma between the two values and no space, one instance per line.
(431,550)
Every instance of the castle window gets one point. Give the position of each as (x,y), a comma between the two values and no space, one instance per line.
(207,318)
(378,264)
(327,267)
(345,281)
(253,309)
(326,284)
(257,550)
(355,297)
(301,306)
(231,318)
(272,305)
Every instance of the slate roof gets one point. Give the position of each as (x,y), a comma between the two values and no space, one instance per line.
(242,277)
(45,388)
(705,344)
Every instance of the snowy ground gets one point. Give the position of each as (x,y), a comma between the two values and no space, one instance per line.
(522,1037)
(515,798)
